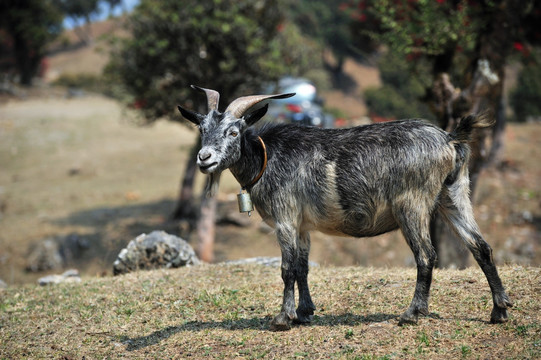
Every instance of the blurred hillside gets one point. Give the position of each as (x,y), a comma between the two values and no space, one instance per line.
(69,56)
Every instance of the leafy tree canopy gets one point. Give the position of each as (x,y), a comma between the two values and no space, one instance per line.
(324,21)
(26,27)
(417,28)
(232,46)
(451,36)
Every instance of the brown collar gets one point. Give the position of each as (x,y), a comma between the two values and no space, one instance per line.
(256,179)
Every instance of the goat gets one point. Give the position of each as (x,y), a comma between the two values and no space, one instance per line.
(361,181)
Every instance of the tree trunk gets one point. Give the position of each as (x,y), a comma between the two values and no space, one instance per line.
(185,209)
(450,104)
(206,228)
(450,250)
(26,61)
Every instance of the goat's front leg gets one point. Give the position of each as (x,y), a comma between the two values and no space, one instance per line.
(306,308)
(287,238)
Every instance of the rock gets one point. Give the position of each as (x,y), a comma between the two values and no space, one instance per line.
(68,276)
(155,250)
(45,256)
(263,260)
(56,253)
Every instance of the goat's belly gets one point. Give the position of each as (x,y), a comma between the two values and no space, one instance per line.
(358,232)
(360,226)
(349,228)
(375,231)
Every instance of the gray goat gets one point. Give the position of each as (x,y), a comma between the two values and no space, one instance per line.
(362,181)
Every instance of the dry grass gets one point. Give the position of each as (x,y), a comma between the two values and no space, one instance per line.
(222,312)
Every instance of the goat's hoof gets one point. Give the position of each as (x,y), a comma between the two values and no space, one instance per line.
(498,315)
(281,322)
(408,318)
(303,319)
(304,315)
(499,311)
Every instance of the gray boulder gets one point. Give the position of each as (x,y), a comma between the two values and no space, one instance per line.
(155,250)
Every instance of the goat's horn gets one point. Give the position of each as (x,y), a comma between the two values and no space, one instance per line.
(240,105)
(213,97)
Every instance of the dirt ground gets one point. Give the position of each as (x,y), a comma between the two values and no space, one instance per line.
(79,167)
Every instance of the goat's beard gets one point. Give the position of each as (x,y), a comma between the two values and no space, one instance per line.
(213,184)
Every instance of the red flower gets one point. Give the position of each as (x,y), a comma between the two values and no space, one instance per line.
(139,103)
(518,46)
(440,1)
(343,6)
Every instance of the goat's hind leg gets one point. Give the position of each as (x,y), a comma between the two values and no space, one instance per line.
(306,308)
(415,227)
(455,208)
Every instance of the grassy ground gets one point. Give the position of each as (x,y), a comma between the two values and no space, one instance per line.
(223,312)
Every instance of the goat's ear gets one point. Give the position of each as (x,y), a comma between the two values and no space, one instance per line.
(256,115)
(192,116)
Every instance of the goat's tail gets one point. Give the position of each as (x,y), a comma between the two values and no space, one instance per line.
(462,133)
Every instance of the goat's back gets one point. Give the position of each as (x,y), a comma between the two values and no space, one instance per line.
(347,181)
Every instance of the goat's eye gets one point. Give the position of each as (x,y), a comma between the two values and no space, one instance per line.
(234,133)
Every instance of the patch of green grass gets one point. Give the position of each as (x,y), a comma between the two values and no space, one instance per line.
(219,312)
(465,350)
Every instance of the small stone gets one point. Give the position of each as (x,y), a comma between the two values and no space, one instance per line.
(69,276)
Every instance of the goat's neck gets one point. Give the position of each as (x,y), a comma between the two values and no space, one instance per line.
(251,160)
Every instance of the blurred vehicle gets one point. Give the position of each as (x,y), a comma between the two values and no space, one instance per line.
(305,108)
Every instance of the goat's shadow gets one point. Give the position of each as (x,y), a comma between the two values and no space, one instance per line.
(255,323)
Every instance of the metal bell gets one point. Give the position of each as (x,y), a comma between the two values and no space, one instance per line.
(245,203)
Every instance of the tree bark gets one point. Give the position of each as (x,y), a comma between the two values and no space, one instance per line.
(185,209)
(206,228)
(450,104)
(202,219)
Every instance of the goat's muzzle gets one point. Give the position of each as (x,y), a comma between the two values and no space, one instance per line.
(206,161)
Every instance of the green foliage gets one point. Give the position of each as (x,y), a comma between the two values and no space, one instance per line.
(323,21)
(298,55)
(78,8)
(26,27)
(230,46)
(525,98)
(400,96)
(449,36)
(425,28)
